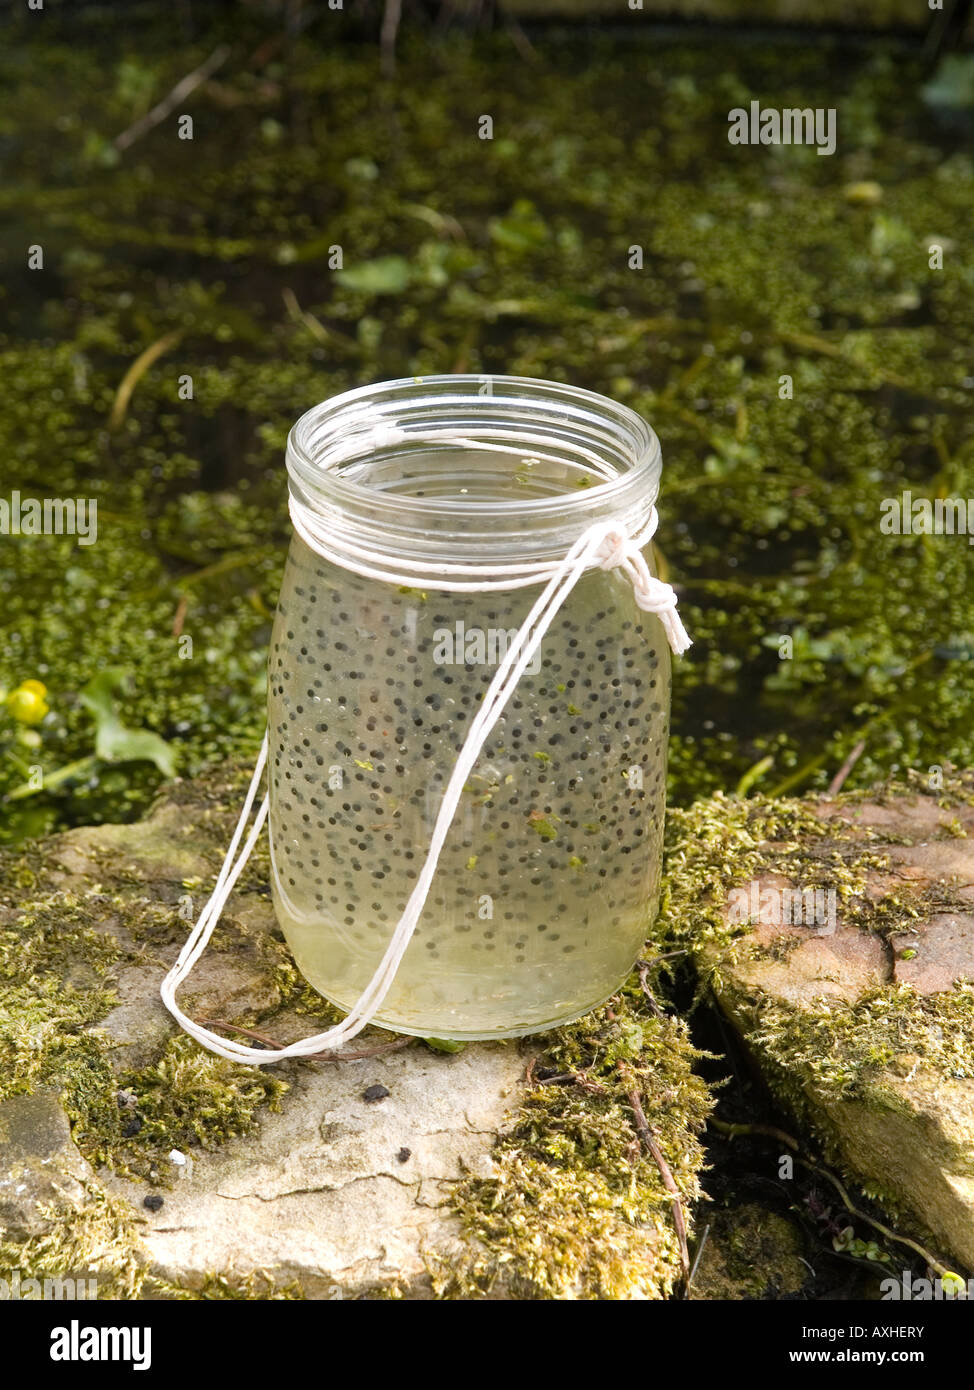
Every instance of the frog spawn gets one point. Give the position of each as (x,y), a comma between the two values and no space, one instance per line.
(548,879)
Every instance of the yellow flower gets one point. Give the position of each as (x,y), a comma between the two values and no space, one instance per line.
(27,703)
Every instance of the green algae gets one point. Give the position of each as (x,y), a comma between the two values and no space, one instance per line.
(512,255)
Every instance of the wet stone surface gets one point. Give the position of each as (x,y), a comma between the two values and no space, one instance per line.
(39,1163)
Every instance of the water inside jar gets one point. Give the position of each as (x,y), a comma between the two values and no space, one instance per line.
(477,475)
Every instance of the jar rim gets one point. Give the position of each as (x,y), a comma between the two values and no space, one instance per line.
(342,428)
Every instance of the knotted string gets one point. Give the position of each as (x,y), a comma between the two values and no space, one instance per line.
(603,545)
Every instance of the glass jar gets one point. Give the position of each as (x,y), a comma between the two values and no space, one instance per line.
(548,880)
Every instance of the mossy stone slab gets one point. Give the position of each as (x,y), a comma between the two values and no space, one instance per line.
(407,1172)
(866,1032)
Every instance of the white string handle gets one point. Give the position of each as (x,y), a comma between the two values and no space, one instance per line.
(603,545)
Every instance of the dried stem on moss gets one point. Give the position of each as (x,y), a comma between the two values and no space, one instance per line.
(396,1045)
(649,1139)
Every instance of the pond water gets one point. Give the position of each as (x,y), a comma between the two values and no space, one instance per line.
(773,313)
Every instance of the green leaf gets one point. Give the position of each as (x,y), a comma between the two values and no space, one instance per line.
(889,234)
(952,85)
(522,229)
(444,1045)
(114,741)
(385,275)
(362,168)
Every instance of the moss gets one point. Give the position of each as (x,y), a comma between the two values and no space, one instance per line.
(55,967)
(55,935)
(576,1207)
(751,1253)
(232,1288)
(842,1051)
(98,1237)
(722,842)
(837,1048)
(297,996)
(59,957)
(59,953)
(190,1097)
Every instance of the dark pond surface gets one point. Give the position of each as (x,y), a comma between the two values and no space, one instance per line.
(512,254)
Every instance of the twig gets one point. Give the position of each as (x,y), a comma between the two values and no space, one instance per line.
(769,1131)
(387,35)
(883,1230)
(441,222)
(519,38)
(52,780)
(180,616)
(299,315)
(228,562)
(877,722)
(753,774)
(237,1028)
(794,778)
(134,374)
(813,343)
(169,103)
(314,325)
(649,1139)
(696,1258)
(643,967)
(836,783)
(396,1045)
